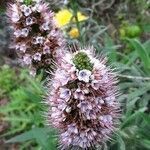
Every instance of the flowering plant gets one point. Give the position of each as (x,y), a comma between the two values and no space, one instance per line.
(36,38)
(82,100)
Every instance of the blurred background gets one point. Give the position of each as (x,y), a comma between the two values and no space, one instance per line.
(118,28)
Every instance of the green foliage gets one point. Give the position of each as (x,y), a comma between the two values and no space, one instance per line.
(7,78)
(43,136)
(24,111)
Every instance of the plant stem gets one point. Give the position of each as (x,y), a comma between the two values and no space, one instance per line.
(133,77)
(74,6)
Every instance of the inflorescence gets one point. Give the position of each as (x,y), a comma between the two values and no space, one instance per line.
(37,39)
(82,100)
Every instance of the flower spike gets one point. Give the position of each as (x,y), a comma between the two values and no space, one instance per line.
(83,100)
(36,38)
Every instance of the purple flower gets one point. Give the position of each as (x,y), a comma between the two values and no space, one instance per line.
(27,59)
(26,10)
(29,21)
(46,50)
(84,75)
(32,24)
(85,107)
(65,94)
(37,56)
(21,47)
(45,26)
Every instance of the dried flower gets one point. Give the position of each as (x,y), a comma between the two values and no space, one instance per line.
(83,100)
(37,38)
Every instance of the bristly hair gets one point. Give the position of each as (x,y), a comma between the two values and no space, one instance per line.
(37,39)
(82,101)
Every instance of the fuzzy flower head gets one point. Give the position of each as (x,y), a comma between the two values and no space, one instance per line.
(36,37)
(83,100)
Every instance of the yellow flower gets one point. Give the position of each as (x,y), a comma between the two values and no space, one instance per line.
(74,33)
(64,16)
(81,17)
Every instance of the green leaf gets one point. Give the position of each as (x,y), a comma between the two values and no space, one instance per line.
(130,120)
(109,45)
(43,136)
(145,143)
(143,54)
(120,144)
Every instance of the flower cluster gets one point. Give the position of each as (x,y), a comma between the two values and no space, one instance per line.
(37,39)
(82,100)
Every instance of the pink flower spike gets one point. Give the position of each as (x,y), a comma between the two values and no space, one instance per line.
(86,107)
(36,34)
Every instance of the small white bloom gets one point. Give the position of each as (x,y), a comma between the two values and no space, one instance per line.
(26,10)
(29,21)
(45,26)
(21,47)
(68,109)
(39,40)
(15,17)
(84,75)
(25,32)
(27,59)
(37,56)
(65,94)
(17,33)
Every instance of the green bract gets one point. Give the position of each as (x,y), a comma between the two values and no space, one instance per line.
(27,2)
(82,61)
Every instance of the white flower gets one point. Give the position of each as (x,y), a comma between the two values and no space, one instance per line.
(68,109)
(29,21)
(27,59)
(25,32)
(21,47)
(65,94)
(37,56)
(45,26)
(15,17)
(95,84)
(84,75)
(39,40)
(26,10)
(17,33)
